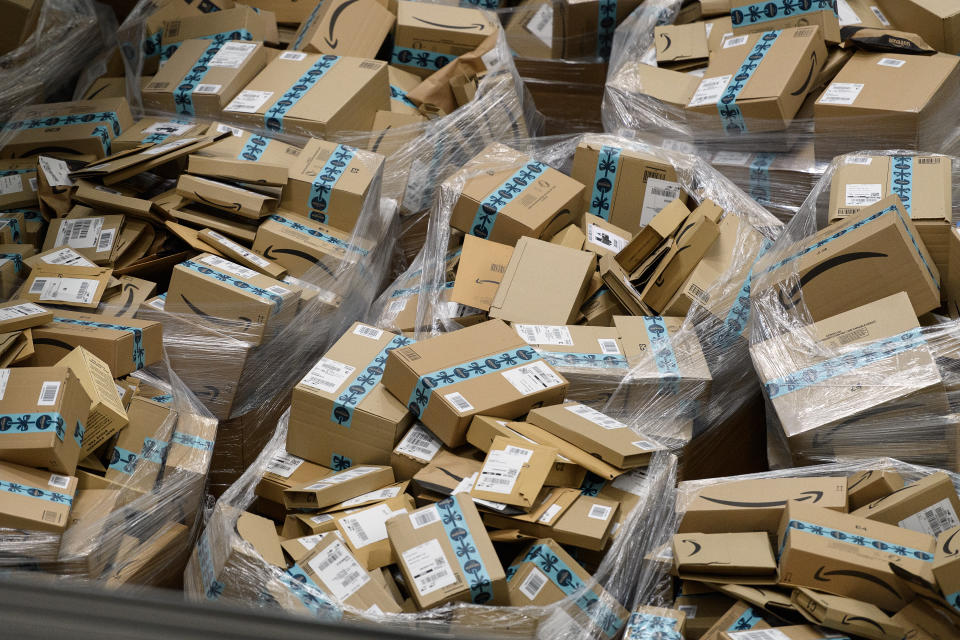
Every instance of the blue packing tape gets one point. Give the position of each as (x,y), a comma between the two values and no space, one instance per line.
(768,10)
(306,27)
(586,360)
(592,484)
(606,26)
(464,547)
(14,225)
(151,44)
(273,117)
(15,172)
(662,347)
(195,442)
(340,462)
(646,626)
(604,177)
(730,115)
(319,235)
(164,399)
(398,94)
(103,135)
(954,600)
(420,58)
(78,432)
(326,179)
(139,354)
(16,258)
(66,121)
(760,177)
(747,620)
(853,539)
(213,587)
(481,4)
(183,93)
(254,147)
(738,318)
(486,216)
(123,461)
(153,450)
(275,298)
(363,384)
(412,291)
(27,423)
(33,492)
(219,39)
(901,179)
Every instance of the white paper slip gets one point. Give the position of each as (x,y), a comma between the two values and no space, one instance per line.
(48,394)
(232,54)
(240,249)
(79,290)
(893,63)
(168,128)
(423,517)
(861,195)
(373,496)
(599,512)
(58,481)
(557,335)
(67,256)
(10,184)
(598,235)
(499,473)
(169,146)
(531,378)
(248,101)
(56,171)
(428,566)
(845,93)
(79,233)
(339,571)
(738,158)
(541,24)
(608,346)
(328,375)
(207,88)
(295,56)
(284,464)
(419,443)
(658,194)
(739,41)
(550,514)
(846,14)
(23,310)
(933,520)
(368,526)
(709,91)
(229,267)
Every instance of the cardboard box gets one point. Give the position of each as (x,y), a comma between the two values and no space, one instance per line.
(106,415)
(480,270)
(18,183)
(739,558)
(846,615)
(337,487)
(11,264)
(344,28)
(793,632)
(241,255)
(586,26)
(229,24)
(936,22)
(566,516)
(543,282)
(238,300)
(342,94)
(504,378)
(16,315)
(245,157)
(513,472)
(68,128)
(526,199)
(946,567)
(416,449)
(662,226)
(299,244)
(329,183)
(789,61)
(681,46)
(864,487)
(880,239)
(921,182)
(92,237)
(530,31)
(44,506)
(929,505)
(573,453)
(66,285)
(127,164)
(925,621)
(747,16)
(437,566)
(570,236)
(428,36)
(340,413)
(365,534)
(44,416)
(665,88)
(284,471)
(156,130)
(235,200)
(136,456)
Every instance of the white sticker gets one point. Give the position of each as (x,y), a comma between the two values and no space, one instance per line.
(228,266)
(933,520)
(594,416)
(59,482)
(223,128)
(80,290)
(491,58)
(11,184)
(339,570)
(465,485)
(605,238)
(232,54)
(709,91)
(56,171)
(320,519)
(459,403)
(550,514)
(284,464)
(248,255)
(158,303)
(645,445)
(16,312)
(847,15)
(167,128)
(428,566)
(738,158)
(499,473)
(340,478)
(882,18)
(739,41)
(168,146)
(248,101)
(120,390)
(689,610)
(541,24)
(373,496)
(423,517)
(368,332)
(207,88)
(608,346)
(33,183)
(599,512)
(557,335)
(531,378)
(398,305)
(68,257)
(758,634)
(105,241)
(419,443)
(891,62)
(310,542)
(368,526)
(863,160)
(658,194)
(4,378)
(296,56)
(709,28)
(533,583)
(861,195)
(634,482)
(79,233)
(48,393)
(841,93)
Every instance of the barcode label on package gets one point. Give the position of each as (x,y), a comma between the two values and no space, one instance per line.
(709,91)
(168,147)
(296,56)
(339,571)
(4,378)
(739,41)
(79,290)
(541,24)
(845,93)
(328,375)
(861,160)
(207,88)
(368,332)
(59,482)
(893,63)
(882,18)
(223,128)
(422,518)
(608,346)
(10,184)
(846,14)
(23,310)
(167,128)
(105,241)
(594,416)
(634,482)
(33,183)
(232,54)
(550,514)
(599,512)
(373,496)
(533,583)
(861,195)
(368,526)
(229,267)
(320,519)
(419,443)
(284,464)
(79,233)
(68,257)
(758,634)
(738,158)
(248,255)
(531,378)
(428,566)
(458,402)
(48,394)
(598,235)
(499,472)
(248,101)
(659,194)
(557,335)
(56,171)
(933,520)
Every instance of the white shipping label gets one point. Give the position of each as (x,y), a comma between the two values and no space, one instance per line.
(320,519)
(248,101)
(4,378)
(67,256)
(58,481)
(738,158)
(658,194)
(882,18)
(893,63)
(550,514)
(284,464)
(608,346)
(207,88)
(863,160)
(594,416)
(373,496)
(241,250)
(861,195)
(368,332)
(167,128)
(933,520)
(159,303)
(709,91)
(689,610)
(491,58)
(339,571)
(328,375)
(79,233)
(232,54)
(24,310)
(10,184)
(33,183)
(739,41)
(295,56)
(309,542)
(428,566)
(343,476)
(499,472)
(544,334)
(599,512)
(169,146)
(541,24)
(79,290)
(841,93)
(458,402)
(105,241)
(368,526)
(56,171)
(223,128)
(48,393)
(533,583)
(419,443)
(423,517)
(634,482)
(533,377)
(598,235)
(847,15)
(758,634)
(645,445)
(398,305)
(229,267)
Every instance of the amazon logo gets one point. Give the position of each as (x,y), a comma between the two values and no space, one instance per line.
(233,206)
(947,547)
(696,546)
(791,300)
(812,496)
(45,151)
(669,41)
(826,438)
(94,94)
(379,141)
(827,576)
(470,27)
(849,620)
(877,503)
(221,321)
(210,392)
(330,40)
(479,281)
(129,287)
(271,254)
(51,342)
(802,91)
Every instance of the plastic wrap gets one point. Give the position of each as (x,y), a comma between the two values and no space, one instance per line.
(901,406)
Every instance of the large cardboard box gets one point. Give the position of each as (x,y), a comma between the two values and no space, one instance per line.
(93,237)
(485,369)
(345,28)
(929,505)
(748,16)
(364,531)
(339,412)
(44,502)
(735,558)
(936,21)
(67,128)
(300,244)
(585,27)
(233,23)
(428,36)
(513,472)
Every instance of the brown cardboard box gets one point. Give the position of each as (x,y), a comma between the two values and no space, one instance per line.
(530,30)
(864,487)
(365,534)
(299,244)
(11,263)
(443,475)
(946,566)
(773,601)
(284,471)
(16,315)
(585,29)
(603,238)
(433,560)
(526,199)
(838,565)
(922,182)
(229,24)
(92,237)
(106,415)
(662,226)
(127,164)
(337,487)
(345,28)
(739,558)
(543,282)
(44,413)
(480,269)
(343,94)
(66,285)
(572,519)
(936,21)
(567,450)
(744,20)
(570,236)
(18,183)
(428,36)
(503,378)
(253,312)
(203,76)
(154,130)
(416,449)
(665,88)
(45,506)
(329,183)
(244,157)
(772,94)
(68,128)
(846,615)
(148,561)
(741,616)
(136,456)
(925,621)
(340,413)
(880,239)
(245,203)
(513,472)
(929,505)
(31,227)
(681,46)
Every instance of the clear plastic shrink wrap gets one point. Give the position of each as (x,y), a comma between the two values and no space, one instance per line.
(707,400)
(847,341)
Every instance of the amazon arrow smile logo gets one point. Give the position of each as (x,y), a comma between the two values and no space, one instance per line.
(330,40)
(469,27)
(806,83)
(792,299)
(848,619)
(813,496)
(696,546)
(825,576)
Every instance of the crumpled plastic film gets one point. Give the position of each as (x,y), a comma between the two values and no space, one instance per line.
(863,387)
(226,568)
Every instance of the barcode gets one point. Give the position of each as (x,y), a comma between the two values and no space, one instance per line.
(38,285)
(370,64)
(699,293)
(650,173)
(802,33)
(172,29)
(292,55)
(48,393)
(80,229)
(158,85)
(50,516)
(608,346)
(599,512)
(939,519)
(58,481)
(83,291)
(106,240)
(517,451)
(664,193)
(323,517)
(459,402)
(423,518)
(207,88)
(928,160)
(855,334)
(278,290)
(533,583)
(527,199)
(354,527)
(368,332)
(846,212)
